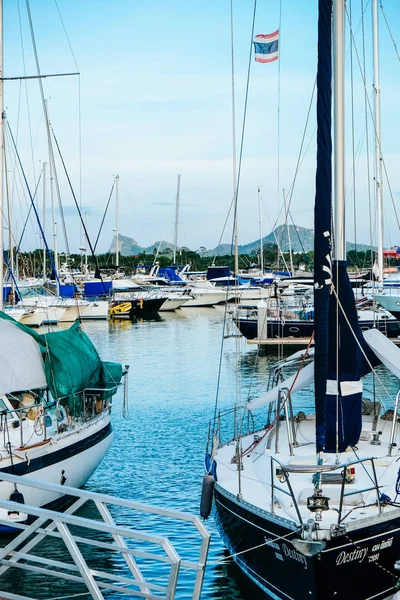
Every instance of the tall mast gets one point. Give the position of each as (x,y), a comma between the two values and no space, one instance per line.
(261,235)
(378,155)
(44,220)
(288,233)
(53,208)
(1,156)
(234,167)
(339,128)
(86,245)
(9,219)
(178,191)
(116,221)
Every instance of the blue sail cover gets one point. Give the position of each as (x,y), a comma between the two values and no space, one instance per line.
(345,362)
(322,216)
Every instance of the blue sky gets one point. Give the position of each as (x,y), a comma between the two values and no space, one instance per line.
(156,101)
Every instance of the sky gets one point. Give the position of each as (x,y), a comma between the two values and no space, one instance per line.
(153,99)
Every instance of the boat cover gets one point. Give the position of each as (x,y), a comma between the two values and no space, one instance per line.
(71,363)
(21,363)
(387,352)
(304,379)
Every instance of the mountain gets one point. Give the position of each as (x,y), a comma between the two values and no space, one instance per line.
(129,247)
(301,238)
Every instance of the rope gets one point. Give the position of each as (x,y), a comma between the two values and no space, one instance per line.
(361,348)
(268,543)
(390,31)
(234,202)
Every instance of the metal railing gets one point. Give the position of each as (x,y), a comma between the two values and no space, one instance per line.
(133,546)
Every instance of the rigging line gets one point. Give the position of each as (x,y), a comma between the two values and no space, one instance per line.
(235,200)
(79,111)
(78,209)
(389,30)
(373,122)
(373,370)
(26,90)
(104,216)
(45,112)
(18,248)
(32,202)
(302,144)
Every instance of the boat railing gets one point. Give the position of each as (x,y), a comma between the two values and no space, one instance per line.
(234,422)
(21,414)
(134,554)
(284,478)
(284,471)
(373,487)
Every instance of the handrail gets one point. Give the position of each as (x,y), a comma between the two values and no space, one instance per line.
(343,494)
(57,524)
(288,493)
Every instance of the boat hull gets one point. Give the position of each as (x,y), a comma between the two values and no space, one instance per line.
(358,565)
(305,329)
(70,459)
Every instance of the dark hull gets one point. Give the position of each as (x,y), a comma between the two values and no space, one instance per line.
(138,308)
(357,566)
(304,329)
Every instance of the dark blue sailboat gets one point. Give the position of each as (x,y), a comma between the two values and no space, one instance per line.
(307,505)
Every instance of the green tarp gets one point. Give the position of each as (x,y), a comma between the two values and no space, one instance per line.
(72,363)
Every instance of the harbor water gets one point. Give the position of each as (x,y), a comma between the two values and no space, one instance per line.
(158,451)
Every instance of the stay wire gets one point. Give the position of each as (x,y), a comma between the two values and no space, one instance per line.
(32,203)
(35,52)
(390,31)
(79,108)
(78,209)
(104,216)
(235,200)
(26,90)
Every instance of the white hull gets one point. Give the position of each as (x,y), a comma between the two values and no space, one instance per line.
(76,468)
(173,304)
(34,318)
(86,311)
(206,298)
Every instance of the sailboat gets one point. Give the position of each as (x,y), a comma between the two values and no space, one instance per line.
(55,401)
(307,505)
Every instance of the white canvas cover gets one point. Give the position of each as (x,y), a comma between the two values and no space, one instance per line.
(304,379)
(21,363)
(387,352)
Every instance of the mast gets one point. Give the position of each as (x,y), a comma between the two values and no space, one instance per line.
(178,191)
(261,235)
(234,167)
(9,218)
(1,156)
(322,215)
(86,245)
(378,155)
(116,221)
(288,233)
(44,220)
(339,128)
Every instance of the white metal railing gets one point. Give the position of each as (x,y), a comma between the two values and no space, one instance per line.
(137,548)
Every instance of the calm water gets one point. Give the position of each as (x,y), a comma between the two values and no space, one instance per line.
(157,453)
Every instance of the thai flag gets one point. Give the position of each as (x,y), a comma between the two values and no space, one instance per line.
(266,47)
